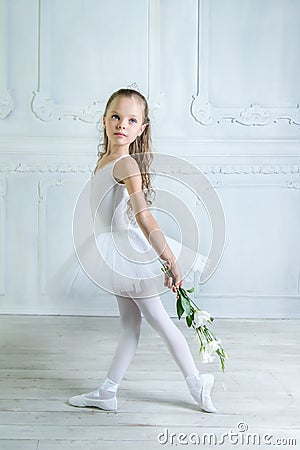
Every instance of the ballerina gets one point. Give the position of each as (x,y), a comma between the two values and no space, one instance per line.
(129,274)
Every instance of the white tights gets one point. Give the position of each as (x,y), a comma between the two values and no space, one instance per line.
(158,318)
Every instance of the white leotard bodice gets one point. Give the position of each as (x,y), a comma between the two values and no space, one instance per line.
(108,200)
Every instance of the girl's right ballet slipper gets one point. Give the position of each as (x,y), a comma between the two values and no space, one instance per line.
(200,387)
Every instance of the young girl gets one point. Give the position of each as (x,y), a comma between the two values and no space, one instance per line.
(127,134)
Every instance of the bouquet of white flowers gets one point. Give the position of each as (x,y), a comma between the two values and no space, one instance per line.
(199,320)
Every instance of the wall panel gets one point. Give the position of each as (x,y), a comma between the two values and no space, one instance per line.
(221,79)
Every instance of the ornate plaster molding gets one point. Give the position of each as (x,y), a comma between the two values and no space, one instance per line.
(44,185)
(3,221)
(6,102)
(46,110)
(44,167)
(43,105)
(210,169)
(202,109)
(254,115)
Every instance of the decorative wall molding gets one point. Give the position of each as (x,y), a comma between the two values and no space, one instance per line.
(225,169)
(21,167)
(6,102)
(43,188)
(45,184)
(295,185)
(255,184)
(244,169)
(2,234)
(203,110)
(255,115)
(45,108)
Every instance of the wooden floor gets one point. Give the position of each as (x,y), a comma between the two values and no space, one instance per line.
(47,359)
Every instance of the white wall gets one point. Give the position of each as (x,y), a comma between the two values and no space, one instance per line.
(221,78)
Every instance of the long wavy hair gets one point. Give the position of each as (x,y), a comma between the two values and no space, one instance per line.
(140,149)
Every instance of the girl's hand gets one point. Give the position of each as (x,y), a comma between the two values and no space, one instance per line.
(175,281)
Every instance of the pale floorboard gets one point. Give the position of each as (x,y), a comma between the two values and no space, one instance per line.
(46,359)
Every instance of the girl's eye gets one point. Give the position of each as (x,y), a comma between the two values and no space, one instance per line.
(116,115)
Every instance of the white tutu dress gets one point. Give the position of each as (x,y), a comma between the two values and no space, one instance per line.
(112,252)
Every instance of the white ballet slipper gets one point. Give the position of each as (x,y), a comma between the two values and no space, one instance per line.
(93,398)
(200,386)
(110,404)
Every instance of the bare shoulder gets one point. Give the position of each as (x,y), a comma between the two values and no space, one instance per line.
(127,170)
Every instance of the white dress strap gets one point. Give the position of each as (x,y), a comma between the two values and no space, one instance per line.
(112,169)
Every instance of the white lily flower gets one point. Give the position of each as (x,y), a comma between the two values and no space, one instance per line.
(200,317)
(212,346)
(206,357)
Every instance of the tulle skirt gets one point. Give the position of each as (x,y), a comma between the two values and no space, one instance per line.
(121,263)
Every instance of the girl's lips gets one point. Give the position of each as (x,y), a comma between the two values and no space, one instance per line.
(120,134)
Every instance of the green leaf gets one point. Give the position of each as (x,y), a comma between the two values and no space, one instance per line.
(190,290)
(189,320)
(186,306)
(179,308)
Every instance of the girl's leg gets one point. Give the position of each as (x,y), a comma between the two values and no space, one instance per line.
(130,318)
(198,385)
(105,396)
(158,318)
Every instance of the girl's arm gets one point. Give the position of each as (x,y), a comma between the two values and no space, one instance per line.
(128,171)
(155,236)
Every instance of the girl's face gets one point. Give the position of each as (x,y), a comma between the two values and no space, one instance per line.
(123,120)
